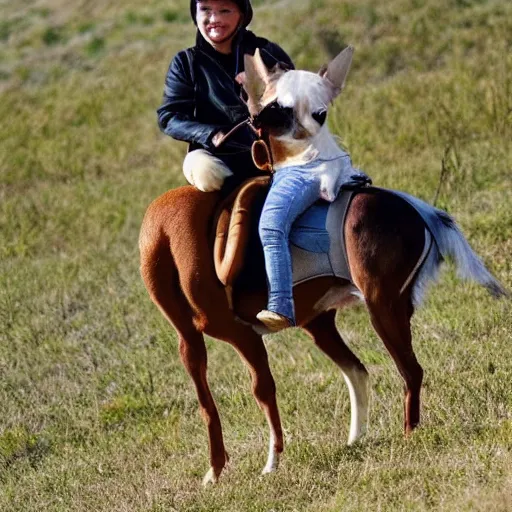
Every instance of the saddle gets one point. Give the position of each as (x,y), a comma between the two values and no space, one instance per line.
(316,238)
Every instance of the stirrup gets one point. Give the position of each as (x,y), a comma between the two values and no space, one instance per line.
(273,321)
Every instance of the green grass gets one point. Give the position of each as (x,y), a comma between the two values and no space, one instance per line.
(97,412)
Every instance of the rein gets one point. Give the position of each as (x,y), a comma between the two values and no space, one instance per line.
(247,121)
(261,155)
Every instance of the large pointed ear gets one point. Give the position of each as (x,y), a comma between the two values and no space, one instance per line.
(256,80)
(336,72)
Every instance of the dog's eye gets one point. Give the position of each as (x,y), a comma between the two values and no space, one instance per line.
(274,116)
(320,117)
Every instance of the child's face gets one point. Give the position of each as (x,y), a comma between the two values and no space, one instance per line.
(218,20)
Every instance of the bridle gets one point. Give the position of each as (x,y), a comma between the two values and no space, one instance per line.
(272,114)
(260,151)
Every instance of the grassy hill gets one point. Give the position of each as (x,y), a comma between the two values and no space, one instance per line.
(96,411)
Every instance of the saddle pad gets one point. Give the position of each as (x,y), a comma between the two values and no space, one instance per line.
(317,241)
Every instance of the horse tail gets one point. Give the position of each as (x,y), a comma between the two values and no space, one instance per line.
(469,265)
(450,244)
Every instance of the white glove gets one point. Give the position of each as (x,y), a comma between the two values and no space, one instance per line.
(205,171)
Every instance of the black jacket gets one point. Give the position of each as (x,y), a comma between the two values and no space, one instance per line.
(202,97)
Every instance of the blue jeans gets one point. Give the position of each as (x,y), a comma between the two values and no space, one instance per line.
(292,192)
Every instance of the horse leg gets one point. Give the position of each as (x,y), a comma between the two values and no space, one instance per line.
(392,321)
(161,279)
(255,356)
(252,351)
(194,358)
(326,337)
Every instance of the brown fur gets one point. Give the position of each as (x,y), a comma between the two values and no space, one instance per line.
(281,151)
(384,240)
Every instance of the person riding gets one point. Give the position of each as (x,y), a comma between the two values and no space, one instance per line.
(203,100)
(202,103)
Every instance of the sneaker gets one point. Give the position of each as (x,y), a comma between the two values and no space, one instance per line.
(273,321)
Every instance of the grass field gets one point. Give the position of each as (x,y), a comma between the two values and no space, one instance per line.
(96,412)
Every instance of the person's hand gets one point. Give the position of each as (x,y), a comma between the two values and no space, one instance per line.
(218,138)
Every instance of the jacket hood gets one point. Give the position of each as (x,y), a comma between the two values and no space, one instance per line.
(244,6)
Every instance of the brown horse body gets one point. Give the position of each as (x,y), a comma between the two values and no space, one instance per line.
(384,240)
(390,253)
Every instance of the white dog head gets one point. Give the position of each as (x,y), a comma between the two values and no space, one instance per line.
(291,106)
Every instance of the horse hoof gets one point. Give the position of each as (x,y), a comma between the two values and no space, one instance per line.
(210,478)
(272,463)
(410,429)
(269,469)
(355,438)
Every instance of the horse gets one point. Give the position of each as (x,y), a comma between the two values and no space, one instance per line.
(391,258)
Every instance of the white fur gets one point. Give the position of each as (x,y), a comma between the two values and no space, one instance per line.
(205,171)
(451,243)
(357,383)
(308,93)
(428,273)
(294,86)
(272,459)
(292,89)
(209,478)
(322,144)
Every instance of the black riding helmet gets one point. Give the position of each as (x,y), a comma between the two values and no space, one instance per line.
(244,6)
